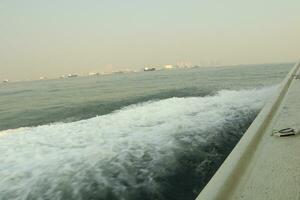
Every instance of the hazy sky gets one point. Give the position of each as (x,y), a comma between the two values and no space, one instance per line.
(50,38)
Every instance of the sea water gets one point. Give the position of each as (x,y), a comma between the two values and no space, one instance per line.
(147,135)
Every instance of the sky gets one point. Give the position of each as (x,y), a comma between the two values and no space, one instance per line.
(51,38)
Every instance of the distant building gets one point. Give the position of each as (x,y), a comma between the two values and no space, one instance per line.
(184,64)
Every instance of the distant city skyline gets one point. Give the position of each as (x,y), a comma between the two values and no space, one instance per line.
(52,38)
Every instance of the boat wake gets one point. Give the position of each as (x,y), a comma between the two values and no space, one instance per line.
(165,149)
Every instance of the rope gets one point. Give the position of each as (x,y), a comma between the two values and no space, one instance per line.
(284,132)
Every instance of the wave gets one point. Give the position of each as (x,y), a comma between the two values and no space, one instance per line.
(165,149)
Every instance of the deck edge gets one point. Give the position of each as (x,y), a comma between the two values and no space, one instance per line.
(222,183)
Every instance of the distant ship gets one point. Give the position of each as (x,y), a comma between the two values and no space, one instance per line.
(72,75)
(146,69)
(5,81)
(94,74)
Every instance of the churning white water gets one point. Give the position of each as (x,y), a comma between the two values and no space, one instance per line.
(115,155)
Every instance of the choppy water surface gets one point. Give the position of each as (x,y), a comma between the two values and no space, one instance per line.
(151,135)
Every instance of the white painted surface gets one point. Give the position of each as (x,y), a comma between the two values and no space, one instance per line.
(262,166)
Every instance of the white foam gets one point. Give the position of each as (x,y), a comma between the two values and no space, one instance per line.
(138,141)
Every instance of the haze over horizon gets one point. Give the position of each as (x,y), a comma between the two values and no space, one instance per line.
(50,38)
